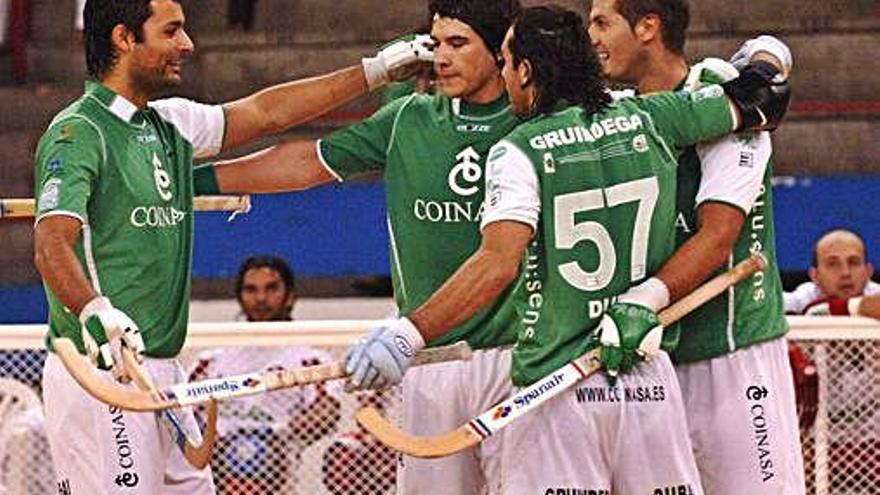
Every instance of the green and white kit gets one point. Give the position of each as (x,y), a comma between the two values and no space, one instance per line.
(432,152)
(732,348)
(599,192)
(604,187)
(126,174)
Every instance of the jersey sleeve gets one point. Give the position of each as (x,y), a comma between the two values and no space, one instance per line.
(67,165)
(362,147)
(733,168)
(204,126)
(512,188)
(684,118)
(803,295)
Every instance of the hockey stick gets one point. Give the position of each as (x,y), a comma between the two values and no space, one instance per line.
(183,394)
(24,207)
(198,455)
(500,415)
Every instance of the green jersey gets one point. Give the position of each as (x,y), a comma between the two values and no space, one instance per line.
(126,174)
(432,150)
(599,191)
(734,170)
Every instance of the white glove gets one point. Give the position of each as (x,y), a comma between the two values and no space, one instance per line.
(105,330)
(720,70)
(763,43)
(399,60)
(383,357)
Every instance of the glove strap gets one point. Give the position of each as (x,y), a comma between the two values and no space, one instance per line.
(651,293)
(375,72)
(97,304)
(411,335)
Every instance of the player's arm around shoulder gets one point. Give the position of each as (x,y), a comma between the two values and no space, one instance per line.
(280,107)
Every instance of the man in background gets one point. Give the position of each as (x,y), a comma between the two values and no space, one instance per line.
(839,277)
(262,437)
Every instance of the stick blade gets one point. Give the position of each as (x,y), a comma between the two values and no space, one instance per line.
(426,447)
(109,393)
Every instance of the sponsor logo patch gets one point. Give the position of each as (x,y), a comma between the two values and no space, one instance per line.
(404,346)
(761,433)
(50,194)
(502,412)
(128,476)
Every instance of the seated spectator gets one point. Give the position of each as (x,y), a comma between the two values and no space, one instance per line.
(355,462)
(840,275)
(261,437)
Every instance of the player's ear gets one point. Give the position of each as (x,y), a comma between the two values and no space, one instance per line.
(812,272)
(647,28)
(524,70)
(122,38)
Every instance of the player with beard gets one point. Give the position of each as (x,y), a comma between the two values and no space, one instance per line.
(113,235)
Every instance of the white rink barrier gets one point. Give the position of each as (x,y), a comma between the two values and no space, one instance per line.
(264,449)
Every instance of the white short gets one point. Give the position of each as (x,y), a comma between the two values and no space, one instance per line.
(440,398)
(743,422)
(596,439)
(100,450)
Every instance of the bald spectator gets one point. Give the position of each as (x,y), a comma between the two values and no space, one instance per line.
(840,276)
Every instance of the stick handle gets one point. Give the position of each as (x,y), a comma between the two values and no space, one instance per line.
(712,288)
(25,208)
(230,387)
(336,369)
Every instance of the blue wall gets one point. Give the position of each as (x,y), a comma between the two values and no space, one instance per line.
(339,231)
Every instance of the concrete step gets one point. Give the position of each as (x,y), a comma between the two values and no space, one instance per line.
(16,166)
(32,107)
(827,146)
(837,66)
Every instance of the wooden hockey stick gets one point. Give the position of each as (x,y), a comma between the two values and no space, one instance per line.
(183,394)
(500,415)
(24,207)
(198,455)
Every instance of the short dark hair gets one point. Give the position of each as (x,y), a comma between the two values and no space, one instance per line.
(99,19)
(264,261)
(489,18)
(564,65)
(674,16)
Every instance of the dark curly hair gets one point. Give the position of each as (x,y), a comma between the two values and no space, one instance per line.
(489,18)
(272,262)
(564,65)
(99,19)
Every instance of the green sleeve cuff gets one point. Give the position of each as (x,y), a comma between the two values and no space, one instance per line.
(205,180)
